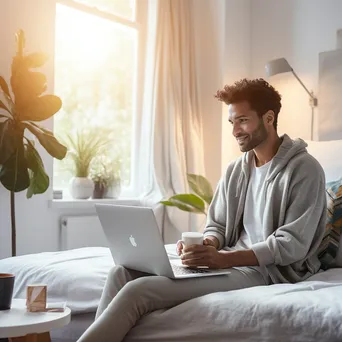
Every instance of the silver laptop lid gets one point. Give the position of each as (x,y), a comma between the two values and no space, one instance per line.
(134,238)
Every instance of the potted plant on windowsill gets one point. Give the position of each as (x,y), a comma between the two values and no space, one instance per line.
(99,186)
(106,177)
(113,188)
(83,148)
(21,166)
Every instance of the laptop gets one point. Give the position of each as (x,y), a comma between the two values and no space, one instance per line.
(136,243)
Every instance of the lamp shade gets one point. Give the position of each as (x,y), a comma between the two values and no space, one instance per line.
(277,66)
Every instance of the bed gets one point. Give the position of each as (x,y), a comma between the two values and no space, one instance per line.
(307,311)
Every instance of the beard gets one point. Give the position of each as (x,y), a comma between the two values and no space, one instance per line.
(255,138)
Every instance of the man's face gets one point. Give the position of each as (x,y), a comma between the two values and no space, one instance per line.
(248,128)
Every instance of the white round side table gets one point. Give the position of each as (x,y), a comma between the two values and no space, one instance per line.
(21,326)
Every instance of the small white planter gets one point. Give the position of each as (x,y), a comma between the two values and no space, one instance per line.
(81,187)
(113,191)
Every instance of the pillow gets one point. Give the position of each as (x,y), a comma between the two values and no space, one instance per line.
(329,249)
(327,152)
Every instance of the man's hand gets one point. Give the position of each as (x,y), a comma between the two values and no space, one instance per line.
(209,241)
(206,255)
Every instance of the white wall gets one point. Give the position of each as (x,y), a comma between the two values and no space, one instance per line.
(223,28)
(297,30)
(237,65)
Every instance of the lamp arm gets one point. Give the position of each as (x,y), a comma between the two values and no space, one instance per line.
(313,98)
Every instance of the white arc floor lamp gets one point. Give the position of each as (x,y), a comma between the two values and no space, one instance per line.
(281,65)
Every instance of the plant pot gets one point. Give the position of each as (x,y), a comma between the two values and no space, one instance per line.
(81,187)
(99,190)
(113,191)
(6,290)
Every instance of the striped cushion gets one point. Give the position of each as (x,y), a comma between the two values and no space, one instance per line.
(331,240)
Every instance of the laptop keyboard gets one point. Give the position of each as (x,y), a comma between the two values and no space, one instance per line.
(178,270)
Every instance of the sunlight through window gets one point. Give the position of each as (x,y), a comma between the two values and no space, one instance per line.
(95,76)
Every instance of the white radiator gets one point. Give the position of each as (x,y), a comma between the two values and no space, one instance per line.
(81,231)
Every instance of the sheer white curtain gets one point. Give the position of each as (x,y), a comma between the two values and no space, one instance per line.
(172,106)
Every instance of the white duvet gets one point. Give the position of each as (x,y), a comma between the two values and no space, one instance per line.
(76,276)
(307,311)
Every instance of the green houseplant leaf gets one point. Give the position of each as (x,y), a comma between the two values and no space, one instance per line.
(35,60)
(2,105)
(41,108)
(7,140)
(186,202)
(13,174)
(48,141)
(39,180)
(200,186)
(4,86)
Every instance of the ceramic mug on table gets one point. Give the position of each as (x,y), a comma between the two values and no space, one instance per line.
(6,290)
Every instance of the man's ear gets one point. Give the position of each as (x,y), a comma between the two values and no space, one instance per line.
(269,117)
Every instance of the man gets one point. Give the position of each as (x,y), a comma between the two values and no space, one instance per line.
(266,220)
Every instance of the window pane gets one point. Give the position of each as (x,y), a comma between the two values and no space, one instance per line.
(123,8)
(95,66)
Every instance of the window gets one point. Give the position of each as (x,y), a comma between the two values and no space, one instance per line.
(98,73)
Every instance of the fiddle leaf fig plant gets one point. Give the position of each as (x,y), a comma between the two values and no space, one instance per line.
(194,203)
(21,109)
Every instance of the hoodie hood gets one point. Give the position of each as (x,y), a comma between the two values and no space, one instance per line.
(288,149)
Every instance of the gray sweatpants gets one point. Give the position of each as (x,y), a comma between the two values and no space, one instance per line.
(128,295)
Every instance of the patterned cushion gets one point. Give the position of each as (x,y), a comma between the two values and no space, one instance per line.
(331,240)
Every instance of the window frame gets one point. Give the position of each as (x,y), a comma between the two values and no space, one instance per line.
(139,23)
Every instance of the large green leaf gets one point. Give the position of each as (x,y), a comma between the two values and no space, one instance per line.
(34,83)
(180,206)
(13,174)
(7,140)
(4,86)
(48,141)
(18,74)
(39,180)
(35,60)
(41,108)
(45,130)
(201,187)
(186,202)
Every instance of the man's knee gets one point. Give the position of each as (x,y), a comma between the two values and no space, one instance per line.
(115,272)
(145,285)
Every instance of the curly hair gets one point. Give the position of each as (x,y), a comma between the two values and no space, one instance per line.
(261,96)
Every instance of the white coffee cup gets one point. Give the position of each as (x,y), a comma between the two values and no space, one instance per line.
(192,238)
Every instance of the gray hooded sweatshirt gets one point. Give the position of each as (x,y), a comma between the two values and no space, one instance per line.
(294,215)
